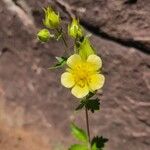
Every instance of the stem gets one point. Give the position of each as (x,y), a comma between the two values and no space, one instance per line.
(65,43)
(87,125)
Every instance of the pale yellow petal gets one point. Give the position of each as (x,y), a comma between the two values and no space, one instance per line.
(96,81)
(67,80)
(79,91)
(95,61)
(73,60)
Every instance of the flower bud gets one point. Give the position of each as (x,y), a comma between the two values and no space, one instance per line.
(52,20)
(44,35)
(75,30)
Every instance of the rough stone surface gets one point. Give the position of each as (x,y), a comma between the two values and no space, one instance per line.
(121,21)
(32,99)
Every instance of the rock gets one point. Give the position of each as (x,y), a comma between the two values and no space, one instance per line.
(126,22)
(34,100)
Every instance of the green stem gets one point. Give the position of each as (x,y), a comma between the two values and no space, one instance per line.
(64,41)
(87,125)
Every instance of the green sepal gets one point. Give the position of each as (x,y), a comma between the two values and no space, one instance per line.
(75,30)
(78,147)
(91,104)
(98,143)
(79,133)
(52,19)
(61,61)
(44,35)
(85,49)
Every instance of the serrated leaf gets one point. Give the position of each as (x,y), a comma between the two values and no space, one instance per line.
(92,104)
(99,142)
(78,147)
(78,133)
(61,62)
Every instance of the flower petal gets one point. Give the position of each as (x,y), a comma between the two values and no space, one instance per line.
(73,60)
(96,81)
(95,60)
(67,80)
(79,91)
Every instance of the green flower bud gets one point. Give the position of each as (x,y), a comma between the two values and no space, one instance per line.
(52,20)
(85,49)
(44,35)
(75,30)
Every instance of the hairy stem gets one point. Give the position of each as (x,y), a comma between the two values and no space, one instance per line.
(87,125)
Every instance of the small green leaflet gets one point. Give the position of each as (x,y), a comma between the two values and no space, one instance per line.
(78,147)
(61,62)
(78,133)
(98,143)
(90,104)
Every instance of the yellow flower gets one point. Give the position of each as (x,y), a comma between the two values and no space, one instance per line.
(83,76)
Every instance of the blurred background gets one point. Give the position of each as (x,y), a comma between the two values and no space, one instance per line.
(36,111)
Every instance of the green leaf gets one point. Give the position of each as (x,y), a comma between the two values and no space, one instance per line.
(99,143)
(85,49)
(90,104)
(61,62)
(44,35)
(78,133)
(78,147)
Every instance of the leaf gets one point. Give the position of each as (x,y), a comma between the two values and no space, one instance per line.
(78,147)
(78,133)
(99,142)
(92,104)
(61,62)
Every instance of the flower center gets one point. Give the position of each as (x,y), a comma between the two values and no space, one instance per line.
(82,73)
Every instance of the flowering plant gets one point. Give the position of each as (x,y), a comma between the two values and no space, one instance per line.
(83,74)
